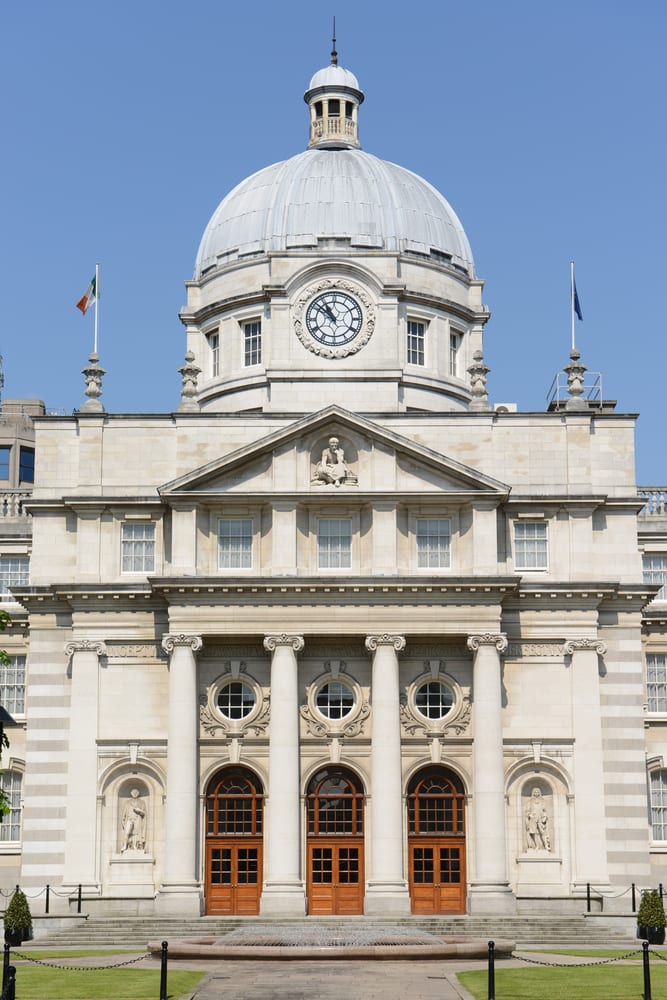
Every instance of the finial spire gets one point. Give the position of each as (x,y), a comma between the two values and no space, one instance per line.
(334,54)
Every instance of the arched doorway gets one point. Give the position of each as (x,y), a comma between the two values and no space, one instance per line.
(234,806)
(436,842)
(335,842)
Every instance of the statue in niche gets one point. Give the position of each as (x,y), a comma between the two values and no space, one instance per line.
(133,823)
(332,468)
(537,823)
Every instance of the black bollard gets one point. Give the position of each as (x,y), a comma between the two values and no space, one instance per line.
(78,900)
(634,898)
(588,897)
(5,966)
(163,972)
(491,992)
(647,971)
(11,983)
(48,891)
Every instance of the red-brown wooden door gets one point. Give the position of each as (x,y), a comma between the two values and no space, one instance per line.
(436,842)
(234,807)
(335,845)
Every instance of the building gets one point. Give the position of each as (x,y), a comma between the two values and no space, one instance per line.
(337,635)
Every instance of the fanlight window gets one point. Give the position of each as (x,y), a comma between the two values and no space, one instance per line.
(335,803)
(436,803)
(234,802)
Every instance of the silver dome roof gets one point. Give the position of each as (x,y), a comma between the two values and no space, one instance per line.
(334,76)
(324,193)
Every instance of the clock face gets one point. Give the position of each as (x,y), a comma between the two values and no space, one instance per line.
(334,318)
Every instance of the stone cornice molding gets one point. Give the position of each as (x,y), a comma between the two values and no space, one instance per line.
(84,646)
(295,642)
(497,639)
(170,641)
(596,645)
(385,639)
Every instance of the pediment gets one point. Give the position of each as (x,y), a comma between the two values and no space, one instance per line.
(333,452)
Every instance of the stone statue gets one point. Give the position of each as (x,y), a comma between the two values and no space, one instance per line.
(332,467)
(537,823)
(133,823)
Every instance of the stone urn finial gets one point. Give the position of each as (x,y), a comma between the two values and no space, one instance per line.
(575,382)
(478,372)
(93,376)
(189,373)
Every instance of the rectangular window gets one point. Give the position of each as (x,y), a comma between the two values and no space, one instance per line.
(656,682)
(138,547)
(659,805)
(10,828)
(235,543)
(655,571)
(5,457)
(26,465)
(530,545)
(334,543)
(454,344)
(434,538)
(252,339)
(214,347)
(416,341)
(13,574)
(12,685)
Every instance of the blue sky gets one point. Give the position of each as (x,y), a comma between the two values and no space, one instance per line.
(126,122)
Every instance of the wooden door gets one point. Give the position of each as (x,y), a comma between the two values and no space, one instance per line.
(437,876)
(335,877)
(233,877)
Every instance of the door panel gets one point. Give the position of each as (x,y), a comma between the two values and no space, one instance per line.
(437,875)
(335,877)
(233,877)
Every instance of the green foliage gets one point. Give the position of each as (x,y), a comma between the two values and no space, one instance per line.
(35,983)
(17,915)
(601,982)
(651,911)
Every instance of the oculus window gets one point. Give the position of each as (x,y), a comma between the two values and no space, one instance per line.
(434,700)
(334,700)
(236,700)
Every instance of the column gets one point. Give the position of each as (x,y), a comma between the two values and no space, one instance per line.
(180,891)
(284,891)
(489,889)
(82,831)
(386,888)
(590,861)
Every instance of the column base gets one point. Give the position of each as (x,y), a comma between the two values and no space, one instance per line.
(283,899)
(179,898)
(491,898)
(387,898)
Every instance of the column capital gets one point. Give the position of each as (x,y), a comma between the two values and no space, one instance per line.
(295,642)
(572,645)
(170,641)
(385,639)
(85,646)
(497,639)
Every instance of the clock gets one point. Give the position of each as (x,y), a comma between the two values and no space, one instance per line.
(334,318)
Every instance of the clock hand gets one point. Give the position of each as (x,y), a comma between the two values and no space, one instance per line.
(327,310)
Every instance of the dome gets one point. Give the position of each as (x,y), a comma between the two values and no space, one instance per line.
(335,77)
(328,193)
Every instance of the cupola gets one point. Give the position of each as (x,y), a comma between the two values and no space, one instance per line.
(334,98)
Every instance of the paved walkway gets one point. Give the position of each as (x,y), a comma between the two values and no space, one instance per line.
(321,980)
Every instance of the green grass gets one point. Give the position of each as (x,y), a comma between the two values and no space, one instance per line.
(607,982)
(591,952)
(34,982)
(49,953)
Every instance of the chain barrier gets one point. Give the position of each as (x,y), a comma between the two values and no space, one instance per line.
(79,968)
(635,953)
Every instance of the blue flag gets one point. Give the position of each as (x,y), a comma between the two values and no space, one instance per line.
(577,304)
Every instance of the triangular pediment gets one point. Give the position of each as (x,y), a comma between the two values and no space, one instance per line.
(373,459)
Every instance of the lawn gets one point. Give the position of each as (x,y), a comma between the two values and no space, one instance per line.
(35,982)
(602,982)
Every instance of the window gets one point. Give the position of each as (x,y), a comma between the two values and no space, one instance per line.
(13,574)
(335,700)
(454,344)
(659,805)
(334,543)
(530,545)
(5,456)
(10,827)
(656,682)
(433,543)
(12,685)
(236,700)
(26,465)
(334,108)
(434,699)
(416,338)
(252,338)
(138,547)
(235,543)
(214,347)
(655,571)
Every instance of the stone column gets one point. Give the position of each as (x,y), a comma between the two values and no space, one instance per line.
(386,888)
(180,890)
(489,889)
(590,861)
(81,823)
(284,890)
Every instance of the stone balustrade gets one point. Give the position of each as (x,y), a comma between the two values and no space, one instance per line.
(12,503)
(655,500)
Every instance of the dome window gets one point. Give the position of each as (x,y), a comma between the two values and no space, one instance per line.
(334,108)
(319,113)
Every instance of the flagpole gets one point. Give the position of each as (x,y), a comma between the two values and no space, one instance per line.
(572,301)
(97,303)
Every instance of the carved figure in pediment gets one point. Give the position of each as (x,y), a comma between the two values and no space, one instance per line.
(332,467)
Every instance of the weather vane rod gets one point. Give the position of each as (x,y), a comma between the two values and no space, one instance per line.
(334,54)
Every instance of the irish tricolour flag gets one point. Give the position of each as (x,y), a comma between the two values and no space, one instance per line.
(88,297)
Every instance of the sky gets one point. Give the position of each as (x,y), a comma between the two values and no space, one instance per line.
(125,123)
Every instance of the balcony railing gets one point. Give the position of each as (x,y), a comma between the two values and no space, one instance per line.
(12,503)
(655,500)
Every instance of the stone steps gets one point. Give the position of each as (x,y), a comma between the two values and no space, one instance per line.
(136,931)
